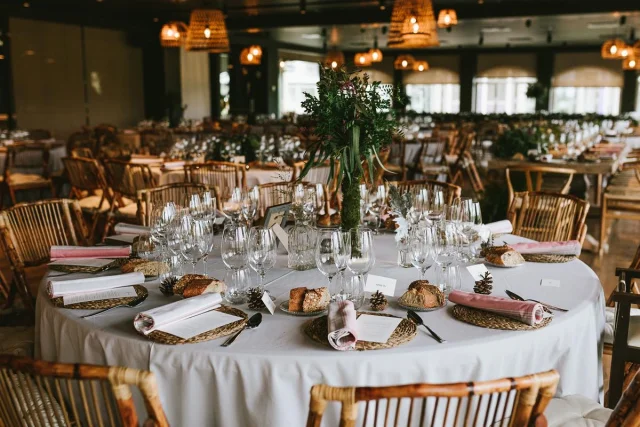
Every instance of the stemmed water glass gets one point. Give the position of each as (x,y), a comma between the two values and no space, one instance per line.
(195,240)
(209,241)
(232,207)
(421,250)
(377,204)
(234,249)
(419,206)
(250,201)
(364,202)
(325,258)
(359,263)
(445,251)
(436,206)
(341,245)
(262,252)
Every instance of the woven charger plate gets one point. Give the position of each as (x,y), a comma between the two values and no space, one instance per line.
(489,320)
(103,303)
(549,259)
(228,329)
(317,330)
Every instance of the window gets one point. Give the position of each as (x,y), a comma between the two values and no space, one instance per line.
(296,78)
(434,98)
(502,95)
(601,100)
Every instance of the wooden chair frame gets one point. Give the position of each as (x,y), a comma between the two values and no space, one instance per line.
(13,187)
(532,395)
(170,192)
(451,191)
(53,382)
(27,232)
(240,179)
(539,171)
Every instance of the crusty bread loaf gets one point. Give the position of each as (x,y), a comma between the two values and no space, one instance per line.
(296,298)
(421,294)
(197,287)
(315,300)
(148,268)
(507,258)
(184,281)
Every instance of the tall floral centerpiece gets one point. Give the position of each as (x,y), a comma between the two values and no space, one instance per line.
(351,120)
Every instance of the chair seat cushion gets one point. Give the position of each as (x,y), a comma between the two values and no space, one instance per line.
(28,178)
(634,326)
(576,411)
(91,203)
(130,210)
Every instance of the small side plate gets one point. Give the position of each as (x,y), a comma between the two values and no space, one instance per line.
(407,307)
(284,306)
(504,266)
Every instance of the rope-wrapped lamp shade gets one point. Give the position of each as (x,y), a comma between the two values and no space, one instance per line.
(248,58)
(362,59)
(207,32)
(413,25)
(334,59)
(420,66)
(404,62)
(631,63)
(256,51)
(611,49)
(173,34)
(447,18)
(375,54)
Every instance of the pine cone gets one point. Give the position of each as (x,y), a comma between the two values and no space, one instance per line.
(378,301)
(484,285)
(255,299)
(166,287)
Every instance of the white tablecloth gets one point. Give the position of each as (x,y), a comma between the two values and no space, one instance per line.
(254,176)
(264,378)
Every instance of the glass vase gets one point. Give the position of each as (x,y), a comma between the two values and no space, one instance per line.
(403,252)
(302,244)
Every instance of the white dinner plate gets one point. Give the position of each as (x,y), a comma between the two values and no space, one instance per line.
(408,307)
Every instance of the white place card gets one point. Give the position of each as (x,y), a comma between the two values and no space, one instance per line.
(196,325)
(477,271)
(386,285)
(266,299)
(553,283)
(83,262)
(376,328)
(281,235)
(126,292)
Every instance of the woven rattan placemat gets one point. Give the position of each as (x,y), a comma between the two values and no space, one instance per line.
(104,303)
(486,319)
(549,259)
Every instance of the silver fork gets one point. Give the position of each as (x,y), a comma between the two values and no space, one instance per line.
(131,304)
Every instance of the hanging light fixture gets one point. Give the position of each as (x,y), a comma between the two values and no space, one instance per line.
(447,18)
(334,59)
(256,51)
(420,66)
(207,32)
(375,53)
(173,34)
(362,59)
(248,58)
(631,63)
(404,62)
(413,25)
(625,51)
(611,49)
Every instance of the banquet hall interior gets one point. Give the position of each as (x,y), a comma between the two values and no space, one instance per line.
(319,212)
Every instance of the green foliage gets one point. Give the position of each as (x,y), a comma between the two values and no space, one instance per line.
(400,202)
(222,147)
(515,141)
(351,119)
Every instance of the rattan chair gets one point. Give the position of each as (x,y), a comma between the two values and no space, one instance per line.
(126,179)
(274,193)
(548,216)
(509,401)
(38,393)
(84,152)
(223,176)
(159,196)
(433,163)
(28,231)
(27,168)
(559,179)
(450,191)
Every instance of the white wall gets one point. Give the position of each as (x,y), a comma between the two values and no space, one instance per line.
(195,84)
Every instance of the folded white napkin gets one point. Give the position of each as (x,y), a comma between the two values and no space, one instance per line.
(500,227)
(124,228)
(60,288)
(341,323)
(148,321)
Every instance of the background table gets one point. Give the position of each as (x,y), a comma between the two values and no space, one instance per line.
(265,377)
(255,176)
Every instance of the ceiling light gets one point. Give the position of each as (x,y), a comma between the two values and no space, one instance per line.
(611,49)
(376,55)
(404,62)
(26,4)
(631,63)
(282,64)
(173,34)
(447,18)
(334,58)
(420,66)
(207,32)
(413,25)
(248,58)
(362,59)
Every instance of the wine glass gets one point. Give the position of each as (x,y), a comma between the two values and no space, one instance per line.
(232,207)
(146,248)
(325,258)
(364,202)
(421,251)
(208,241)
(161,218)
(195,240)
(341,246)
(436,207)
(250,205)
(194,204)
(262,251)
(419,206)
(377,204)
(234,249)
(359,263)
(208,205)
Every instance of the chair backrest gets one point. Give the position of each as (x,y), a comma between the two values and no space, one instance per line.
(274,193)
(126,179)
(38,393)
(84,152)
(558,179)
(450,191)
(548,216)
(517,401)
(84,174)
(30,157)
(30,229)
(317,174)
(224,176)
(433,150)
(159,196)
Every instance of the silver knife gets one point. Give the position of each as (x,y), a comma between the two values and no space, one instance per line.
(517,297)
(413,316)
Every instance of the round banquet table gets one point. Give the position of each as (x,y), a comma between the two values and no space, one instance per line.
(255,176)
(264,378)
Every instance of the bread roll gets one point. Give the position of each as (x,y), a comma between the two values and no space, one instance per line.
(296,298)
(203,286)
(148,268)
(507,258)
(421,294)
(184,281)
(315,300)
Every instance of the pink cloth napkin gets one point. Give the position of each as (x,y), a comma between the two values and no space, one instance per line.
(70,252)
(341,322)
(527,312)
(571,247)
(500,227)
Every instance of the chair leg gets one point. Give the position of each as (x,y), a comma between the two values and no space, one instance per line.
(12,193)
(603,227)
(616,379)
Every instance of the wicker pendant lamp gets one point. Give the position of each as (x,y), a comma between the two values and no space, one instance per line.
(421,66)
(207,32)
(248,58)
(631,63)
(256,51)
(362,59)
(447,18)
(173,34)
(334,59)
(375,53)
(404,62)
(413,25)
(611,49)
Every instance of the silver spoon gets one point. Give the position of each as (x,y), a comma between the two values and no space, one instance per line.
(131,304)
(254,322)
